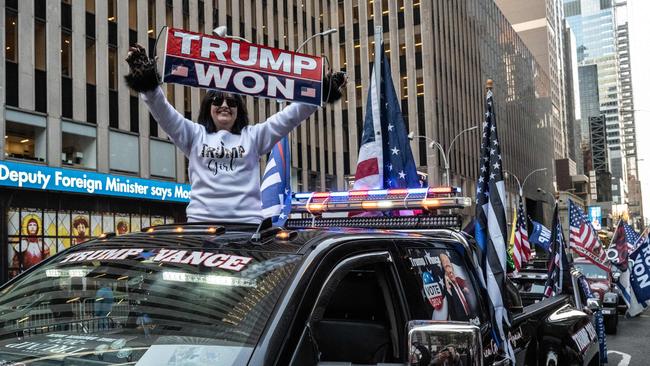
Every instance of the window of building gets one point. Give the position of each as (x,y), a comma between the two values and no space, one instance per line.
(151,14)
(133,14)
(25,136)
(11,36)
(162,161)
(112,68)
(79,145)
(66,54)
(90,62)
(112,11)
(39,46)
(90,6)
(124,153)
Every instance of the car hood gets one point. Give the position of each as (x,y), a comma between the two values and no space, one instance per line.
(118,346)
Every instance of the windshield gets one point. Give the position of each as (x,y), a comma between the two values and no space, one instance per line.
(145,305)
(592,271)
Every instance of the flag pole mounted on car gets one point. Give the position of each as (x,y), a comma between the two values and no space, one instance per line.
(491,224)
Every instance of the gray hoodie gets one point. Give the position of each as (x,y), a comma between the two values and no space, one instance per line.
(224,168)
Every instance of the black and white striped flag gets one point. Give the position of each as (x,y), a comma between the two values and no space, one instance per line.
(491,225)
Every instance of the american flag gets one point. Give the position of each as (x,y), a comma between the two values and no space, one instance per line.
(521,252)
(583,238)
(491,225)
(307,92)
(276,184)
(385,157)
(179,70)
(631,237)
(558,263)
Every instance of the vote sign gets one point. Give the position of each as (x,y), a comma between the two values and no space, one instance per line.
(239,67)
(640,274)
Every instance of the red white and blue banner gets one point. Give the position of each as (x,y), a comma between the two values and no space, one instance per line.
(239,67)
(385,157)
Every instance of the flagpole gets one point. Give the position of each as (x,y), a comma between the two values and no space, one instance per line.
(377,68)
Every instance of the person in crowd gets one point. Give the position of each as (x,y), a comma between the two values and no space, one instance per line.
(222,148)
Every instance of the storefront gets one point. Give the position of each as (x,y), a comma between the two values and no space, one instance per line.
(45,210)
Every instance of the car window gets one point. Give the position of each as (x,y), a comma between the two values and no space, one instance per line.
(147,304)
(445,287)
(592,271)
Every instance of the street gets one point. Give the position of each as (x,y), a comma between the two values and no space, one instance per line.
(630,344)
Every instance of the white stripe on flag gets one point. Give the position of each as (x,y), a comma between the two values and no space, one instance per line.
(270,180)
(269,165)
(271,211)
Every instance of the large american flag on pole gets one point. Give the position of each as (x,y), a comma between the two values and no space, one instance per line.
(521,252)
(558,263)
(491,225)
(385,157)
(583,238)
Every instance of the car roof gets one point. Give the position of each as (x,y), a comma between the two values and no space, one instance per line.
(234,237)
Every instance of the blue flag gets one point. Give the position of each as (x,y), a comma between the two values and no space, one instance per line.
(640,273)
(385,157)
(276,184)
(599,322)
(541,236)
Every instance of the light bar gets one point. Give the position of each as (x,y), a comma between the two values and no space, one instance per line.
(394,223)
(432,198)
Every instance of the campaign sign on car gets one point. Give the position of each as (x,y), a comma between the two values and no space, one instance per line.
(432,290)
(235,66)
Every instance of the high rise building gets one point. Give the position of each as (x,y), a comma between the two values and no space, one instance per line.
(572,98)
(627,103)
(65,108)
(539,23)
(594,25)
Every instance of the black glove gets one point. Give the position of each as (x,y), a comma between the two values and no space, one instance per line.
(333,86)
(143,75)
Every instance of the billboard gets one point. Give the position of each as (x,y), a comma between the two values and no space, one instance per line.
(595,216)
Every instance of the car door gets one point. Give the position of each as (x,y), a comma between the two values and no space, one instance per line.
(358,314)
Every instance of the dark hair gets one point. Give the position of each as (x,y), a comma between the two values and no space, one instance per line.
(205,117)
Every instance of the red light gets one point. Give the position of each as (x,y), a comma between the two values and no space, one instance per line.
(398,191)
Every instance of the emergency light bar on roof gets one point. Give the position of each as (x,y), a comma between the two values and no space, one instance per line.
(431,198)
(394,223)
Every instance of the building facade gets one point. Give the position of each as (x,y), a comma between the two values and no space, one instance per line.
(627,102)
(540,24)
(65,105)
(594,25)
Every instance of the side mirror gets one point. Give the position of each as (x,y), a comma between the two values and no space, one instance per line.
(593,304)
(444,343)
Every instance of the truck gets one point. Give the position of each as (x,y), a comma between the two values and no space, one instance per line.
(368,290)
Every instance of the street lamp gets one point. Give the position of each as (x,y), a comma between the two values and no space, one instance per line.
(522,185)
(322,34)
(445,154)
(222,31)
(553,199)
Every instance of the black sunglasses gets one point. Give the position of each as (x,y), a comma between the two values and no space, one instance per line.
(218,101)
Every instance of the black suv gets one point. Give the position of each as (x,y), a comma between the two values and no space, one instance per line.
(244,295)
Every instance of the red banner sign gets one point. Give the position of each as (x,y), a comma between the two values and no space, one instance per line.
(240,67)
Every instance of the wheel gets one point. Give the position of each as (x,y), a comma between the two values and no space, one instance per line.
(611,324)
